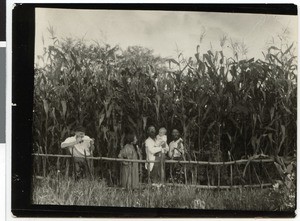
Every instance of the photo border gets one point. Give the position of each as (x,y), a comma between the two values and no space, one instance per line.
(23,40)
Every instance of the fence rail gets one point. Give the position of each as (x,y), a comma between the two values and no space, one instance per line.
(243,161)
(224,187)
(257,176)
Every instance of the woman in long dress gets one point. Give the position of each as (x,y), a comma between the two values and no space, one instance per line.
(130,170)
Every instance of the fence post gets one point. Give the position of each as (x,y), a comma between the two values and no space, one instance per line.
(184,170)
(87,165)
(67,167)
(197,165)
(140,166)
(219,176)
(196,170)
(58,164)
(241,175)
(37,160)
(257,177)
(250,173)
(44,166)
(260,171)
(73,163)
(207,174)
(92,167)
(162,168)
(268,175)
(231,175)
(224,169)
(148,171)
(171,172)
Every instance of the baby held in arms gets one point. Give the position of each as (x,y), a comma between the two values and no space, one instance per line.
(161,139)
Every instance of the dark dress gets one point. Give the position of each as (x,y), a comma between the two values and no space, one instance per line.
(129,170)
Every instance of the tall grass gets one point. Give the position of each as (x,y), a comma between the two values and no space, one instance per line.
(97,193)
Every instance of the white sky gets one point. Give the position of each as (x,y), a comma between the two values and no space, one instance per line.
(162,30)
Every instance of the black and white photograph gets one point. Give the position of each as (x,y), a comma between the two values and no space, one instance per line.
(164,109)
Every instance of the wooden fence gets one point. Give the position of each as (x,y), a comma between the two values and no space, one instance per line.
(254,173)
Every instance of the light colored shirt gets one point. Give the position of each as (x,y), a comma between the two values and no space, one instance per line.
(176,149)
(161,139)
(80,148)
(151,149)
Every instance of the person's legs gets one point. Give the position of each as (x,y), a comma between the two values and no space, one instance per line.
(178,169)
(85,169)
(79,167)
(155,173)
(86,166)
(91,167)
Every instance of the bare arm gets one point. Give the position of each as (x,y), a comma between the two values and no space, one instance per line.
(181,148)
(66,143)
(92,146)
(139,152)
(170,152)
(166,148)
(123,155)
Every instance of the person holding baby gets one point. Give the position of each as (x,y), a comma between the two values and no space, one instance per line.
(156,146)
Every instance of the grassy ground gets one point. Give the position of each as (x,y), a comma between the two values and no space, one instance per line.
(97,193)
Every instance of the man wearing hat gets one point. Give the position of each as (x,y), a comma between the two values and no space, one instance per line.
(80,146)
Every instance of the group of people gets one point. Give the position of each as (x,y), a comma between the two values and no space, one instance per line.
(156,146)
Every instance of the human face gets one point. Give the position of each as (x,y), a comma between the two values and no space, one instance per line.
(79,134)
(134,140)
(151,132)
(162,132)
(175,134)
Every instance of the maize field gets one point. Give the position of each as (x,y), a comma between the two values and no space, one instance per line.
(227,107)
